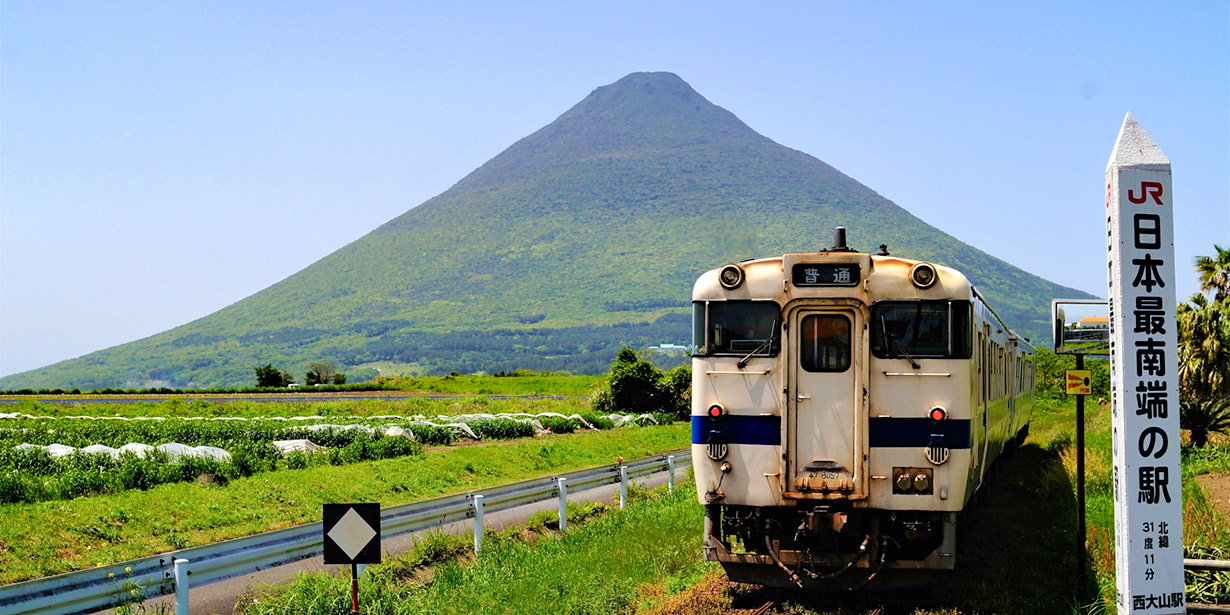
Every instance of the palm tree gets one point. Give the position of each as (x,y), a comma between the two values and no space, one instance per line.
(1204,348)
(1204,418)
(1215,273)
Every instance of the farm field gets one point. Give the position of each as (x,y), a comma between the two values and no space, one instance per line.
(250,408)
(517,383)
(46,453)
(1017,547)
(82,532)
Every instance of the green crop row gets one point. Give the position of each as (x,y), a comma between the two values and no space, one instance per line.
(32,475)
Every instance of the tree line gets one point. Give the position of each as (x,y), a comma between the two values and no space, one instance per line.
(319,372)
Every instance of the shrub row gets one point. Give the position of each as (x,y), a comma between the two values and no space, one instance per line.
(32,475)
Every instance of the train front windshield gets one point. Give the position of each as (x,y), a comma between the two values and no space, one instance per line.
(929,329)
(736,327)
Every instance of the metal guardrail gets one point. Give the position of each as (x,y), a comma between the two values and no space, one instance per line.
(96,589)
(1207,564)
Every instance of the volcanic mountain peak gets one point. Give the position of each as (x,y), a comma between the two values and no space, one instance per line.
(579,238)
(641,114)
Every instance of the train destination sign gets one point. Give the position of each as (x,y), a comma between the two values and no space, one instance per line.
(825,274)
(1144,382)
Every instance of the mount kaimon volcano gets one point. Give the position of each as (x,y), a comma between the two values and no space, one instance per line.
(583,236)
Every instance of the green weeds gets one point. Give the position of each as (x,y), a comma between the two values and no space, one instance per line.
(603,564)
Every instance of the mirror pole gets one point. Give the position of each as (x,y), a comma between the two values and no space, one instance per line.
(1080,479)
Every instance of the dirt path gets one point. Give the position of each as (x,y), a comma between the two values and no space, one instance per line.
(1217,491)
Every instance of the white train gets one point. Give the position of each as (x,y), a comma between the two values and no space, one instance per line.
(845,408)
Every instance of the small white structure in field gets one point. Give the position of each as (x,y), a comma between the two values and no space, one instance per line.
(303,446)
(212,452)
(461,427)
(632,420)
(175,450)
(398,432)
(138,449)
(363,428)
(101,449)
(59,450)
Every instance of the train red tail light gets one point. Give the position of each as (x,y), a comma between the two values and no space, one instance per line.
(938,414)
(715,411)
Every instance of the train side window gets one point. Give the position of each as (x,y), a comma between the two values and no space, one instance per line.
(744,328)
(824,343)
(921,329)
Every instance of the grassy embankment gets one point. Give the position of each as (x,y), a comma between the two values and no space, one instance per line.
(1206,531)
(46,538)
(1017,553)
(614,563)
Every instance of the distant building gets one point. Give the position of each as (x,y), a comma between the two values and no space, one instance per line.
(669,348)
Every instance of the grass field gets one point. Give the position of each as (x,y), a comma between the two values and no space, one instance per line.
(619,561)
(347,408)
(521,382)
(43,538)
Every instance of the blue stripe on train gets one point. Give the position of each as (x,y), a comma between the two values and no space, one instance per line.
(911,432)
(884,432)
(730,429)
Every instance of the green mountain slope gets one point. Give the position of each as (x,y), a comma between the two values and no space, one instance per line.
(584,235)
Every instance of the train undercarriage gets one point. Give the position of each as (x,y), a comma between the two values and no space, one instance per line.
(827,546)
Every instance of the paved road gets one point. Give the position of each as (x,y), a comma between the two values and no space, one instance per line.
(220,598)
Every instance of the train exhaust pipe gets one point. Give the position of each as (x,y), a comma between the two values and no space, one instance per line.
(839,239)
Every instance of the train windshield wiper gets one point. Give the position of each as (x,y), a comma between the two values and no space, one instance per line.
(761,348)
(884,327)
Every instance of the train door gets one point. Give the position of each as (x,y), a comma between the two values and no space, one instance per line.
(825,427)
(985,410)
(1010,390)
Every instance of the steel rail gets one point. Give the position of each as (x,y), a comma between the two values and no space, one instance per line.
(104,587)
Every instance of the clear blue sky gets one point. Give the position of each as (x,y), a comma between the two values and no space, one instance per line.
(159,161)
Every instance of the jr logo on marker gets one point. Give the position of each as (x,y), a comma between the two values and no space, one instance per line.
(1147,189)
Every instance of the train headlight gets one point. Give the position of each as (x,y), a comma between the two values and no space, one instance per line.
(731,276)
(923,275)
(903,483)
(912,481)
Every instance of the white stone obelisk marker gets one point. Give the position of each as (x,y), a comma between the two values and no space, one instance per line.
(1144,382)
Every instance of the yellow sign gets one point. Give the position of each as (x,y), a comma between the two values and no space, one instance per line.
(1079,382)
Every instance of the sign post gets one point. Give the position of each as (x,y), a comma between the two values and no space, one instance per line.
(1086,336)
(1144,384)
(352,536)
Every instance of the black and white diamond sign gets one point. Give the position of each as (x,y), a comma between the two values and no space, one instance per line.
(352,533)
